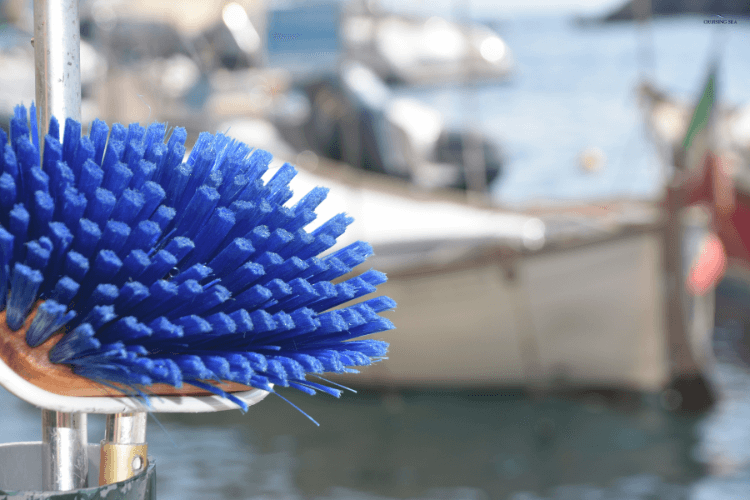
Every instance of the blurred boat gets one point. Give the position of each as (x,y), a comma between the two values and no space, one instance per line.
(410,50)
(487,296)
(558,296)
(353,117)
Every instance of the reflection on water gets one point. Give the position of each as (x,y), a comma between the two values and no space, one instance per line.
(451,445)
(447,445)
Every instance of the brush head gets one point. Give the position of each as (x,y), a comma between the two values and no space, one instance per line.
(126,269)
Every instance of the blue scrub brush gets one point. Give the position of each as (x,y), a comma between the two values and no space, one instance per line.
(139,271)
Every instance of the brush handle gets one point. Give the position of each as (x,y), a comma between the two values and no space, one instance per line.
(124,452)
(57,56)
(64,458)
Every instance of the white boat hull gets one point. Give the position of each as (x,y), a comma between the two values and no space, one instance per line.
(586,316)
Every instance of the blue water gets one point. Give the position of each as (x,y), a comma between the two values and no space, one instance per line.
(575,88)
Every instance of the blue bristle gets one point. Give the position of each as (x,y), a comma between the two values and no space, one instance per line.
(37,257)
(34,126)
(302,294)
(104,294)
(231,257)
(19,228)
(288,269)
(61,177)
(49,318)
(128,206)
(180,247)
(91,178)
(193,325)
(244,277)
(11,165)
(52,152)
(301,241)
(197,212)
(54,128)
(27,157)
(163,216)
(143,236)
(86,151)
(181,270)
(163,329)
(278,289)
(279,217)
(336,270)
(211,235)
(277,189)
(72,208)
(258,236)
(130,295)
(262,322)
(319,244)
(160,294)
(124,330)
(44,209)
(100,315)
(269,261)
(197,272)
(153,195)
(250,299)
(65,289)
(210,299)
(154,134)
(134,151)
(71,138)
(113,154)
(218,365)
(86,237)
(161,264)
(4,277)
(158,156)
(19,128)
(176,184)
(24,285)
(233,187)
(101,206)
(61,239)
(38,180)
(7,196)
(354,254)
(76,266)
(74,344)
(116,178)
(6,246)
(98,133)
(114,236)
(133,266)
(221,324)
(106,265)
(142,173)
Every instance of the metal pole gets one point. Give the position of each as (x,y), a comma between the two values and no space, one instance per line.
(57,56)
(124,452)
(65,463)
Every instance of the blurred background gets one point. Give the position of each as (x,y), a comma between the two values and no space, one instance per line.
(509,162)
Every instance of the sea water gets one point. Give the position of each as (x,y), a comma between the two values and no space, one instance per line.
(574,87)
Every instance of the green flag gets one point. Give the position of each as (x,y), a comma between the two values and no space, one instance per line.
(698,139)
